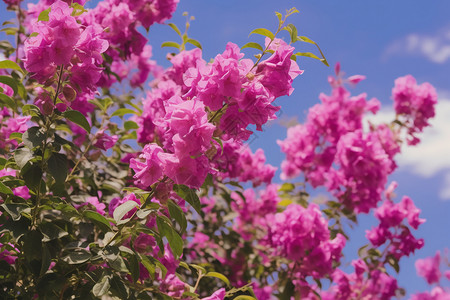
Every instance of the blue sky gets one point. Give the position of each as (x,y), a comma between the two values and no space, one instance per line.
(380,39)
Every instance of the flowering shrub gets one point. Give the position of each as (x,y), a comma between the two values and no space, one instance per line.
(116,196)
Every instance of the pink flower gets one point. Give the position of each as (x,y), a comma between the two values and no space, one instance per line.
(104,141)
(218,295)
(428,268)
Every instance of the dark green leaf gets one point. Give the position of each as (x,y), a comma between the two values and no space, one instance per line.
(264,32)
(253,45)
(98,220)
(77,257)
(177,213)
(51,232)
(4,189)
(133,266)
(46,259)
(57,166)
(32,249)
(78,118)
(175,241)
(189,195)
(32,174)
(33,137)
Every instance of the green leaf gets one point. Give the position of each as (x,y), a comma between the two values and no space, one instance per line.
(244,297)
(11,82)
(175,28)
(28,108)
(189,195)
(123,111)
(175,241)
(51,232)
(117,263)
(308,54)
(32,174)
(10,30)
(33,137)
(279,16)
(194,42)
(8,64)
(16,136)
(286,187)
(57,166)
(77,257)
(98,220)
(2,162)
(78,9)
(253,45)
(32,249)
(78,118)
(128,125)
(218,275)
(123,209)
(170,44)
(46,259)
(308,40)
(102,287)
(14,210)
(8,101)
(4,189)
(293,31)
(177,213)
(43,16)
(264,32)
(133,266)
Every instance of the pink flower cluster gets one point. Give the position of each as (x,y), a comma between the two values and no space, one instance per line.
(331,149)
(236,161)
(252,212)
(430,269)
(393,230)
(61,41)
(415,104)
(364,283)
(187,135)
(302,236)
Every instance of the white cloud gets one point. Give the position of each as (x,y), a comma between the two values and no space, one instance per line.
(434,47)
(432,155)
